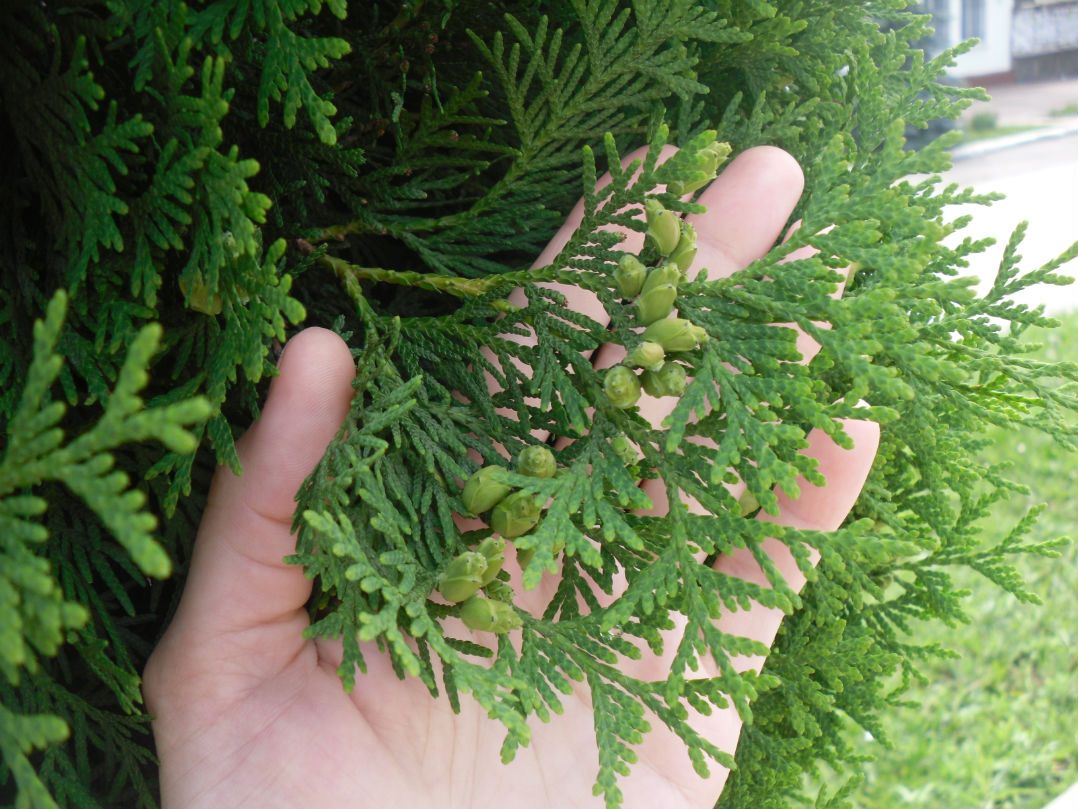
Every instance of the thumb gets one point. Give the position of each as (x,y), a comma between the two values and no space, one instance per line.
(238,578)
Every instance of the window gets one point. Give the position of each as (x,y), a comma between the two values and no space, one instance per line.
(972,19)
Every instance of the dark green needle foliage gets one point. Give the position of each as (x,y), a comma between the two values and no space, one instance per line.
(185,184)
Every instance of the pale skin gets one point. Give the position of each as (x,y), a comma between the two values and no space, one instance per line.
(249,713)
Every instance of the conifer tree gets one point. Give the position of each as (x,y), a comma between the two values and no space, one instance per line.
(188,183)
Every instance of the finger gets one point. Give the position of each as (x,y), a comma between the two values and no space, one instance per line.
(807,346)
(845,470)
(817,508)
(820,508)
(238,576)
(748,206)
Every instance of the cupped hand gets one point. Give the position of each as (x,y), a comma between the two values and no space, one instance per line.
(249,713)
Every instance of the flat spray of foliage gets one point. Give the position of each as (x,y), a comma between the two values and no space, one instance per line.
(186,183)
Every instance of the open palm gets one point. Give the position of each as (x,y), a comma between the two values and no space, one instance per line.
(248,713)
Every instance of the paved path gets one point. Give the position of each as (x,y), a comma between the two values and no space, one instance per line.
(1040,181)
(1068,800)
(1030,103)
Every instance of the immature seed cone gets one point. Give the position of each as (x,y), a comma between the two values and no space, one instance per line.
(621,387)
(720,150)
(670,380)
(656,303)
(481,492)
(199,297)
(537,462)
(629,276)
(663,226)
(499,591)
(666,274)
(713,155)
(624,448)
(493,551)
(462,577)
(675,334)
(515,515)
(647,355)
(747,503)
(484,615)
(685,252)
(680,188)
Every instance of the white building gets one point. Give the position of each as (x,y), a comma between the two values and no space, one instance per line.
(1018,39)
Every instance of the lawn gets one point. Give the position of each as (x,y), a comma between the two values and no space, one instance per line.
(997,726)
(971,135)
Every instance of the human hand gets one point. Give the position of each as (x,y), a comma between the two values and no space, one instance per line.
(248,712)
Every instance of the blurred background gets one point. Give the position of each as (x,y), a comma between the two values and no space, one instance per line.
(997,725)
(1024,142)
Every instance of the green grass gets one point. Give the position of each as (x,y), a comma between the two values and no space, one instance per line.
(997,727)
(970,135)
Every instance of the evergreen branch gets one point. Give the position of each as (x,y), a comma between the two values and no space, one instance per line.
(288,58)
(352,274)
(20,735)
(434,166)
(36,454)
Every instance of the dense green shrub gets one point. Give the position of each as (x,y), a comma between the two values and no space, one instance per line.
(186,185)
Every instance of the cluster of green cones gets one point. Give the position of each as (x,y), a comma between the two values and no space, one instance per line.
(510,515)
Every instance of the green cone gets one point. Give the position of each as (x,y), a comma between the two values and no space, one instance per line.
(484,615)
(200,298)
(664,229)
(515,515)
(493,550)
(685,252)
(624,449)
(629,276)
(670,380)
(720,150)
(647,355)
(666,274)
(481,492)
(747,503)
(656,303)
(675,334)
(680,188)
(713,156)
(463,577)
(621,387)
(537,462)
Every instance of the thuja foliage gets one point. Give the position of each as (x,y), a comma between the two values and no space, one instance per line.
(187,183)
